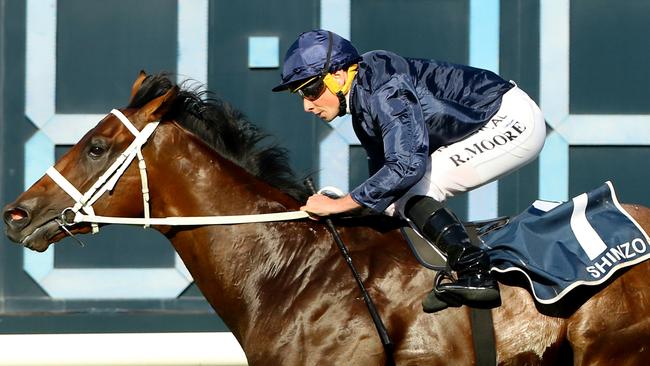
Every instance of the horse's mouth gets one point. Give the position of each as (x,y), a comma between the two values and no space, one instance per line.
(47,233)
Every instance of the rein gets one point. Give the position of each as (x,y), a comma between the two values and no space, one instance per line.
(82,211)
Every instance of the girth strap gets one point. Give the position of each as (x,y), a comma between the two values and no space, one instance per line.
(485,349)
(483,337)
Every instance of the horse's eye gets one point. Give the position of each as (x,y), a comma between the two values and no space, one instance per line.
(96,151)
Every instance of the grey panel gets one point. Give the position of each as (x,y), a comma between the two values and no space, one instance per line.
(590,166)
(16,131)
(249,90)
(519,61)
(109,322)
(358,166)
(458,204)
(415,28)
(519,190)
(116,247)
(609,57)
(3,136)
(2,88)
(519,44)
(102,45)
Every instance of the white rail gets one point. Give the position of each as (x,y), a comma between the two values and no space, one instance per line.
(117,349)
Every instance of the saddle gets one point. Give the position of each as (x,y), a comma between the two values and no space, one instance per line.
(431,257)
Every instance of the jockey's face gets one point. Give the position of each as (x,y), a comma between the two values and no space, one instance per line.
(326,107)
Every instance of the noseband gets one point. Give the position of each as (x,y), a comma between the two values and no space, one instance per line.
(82,210)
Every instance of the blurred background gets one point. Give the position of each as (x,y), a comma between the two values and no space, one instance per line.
(66,63)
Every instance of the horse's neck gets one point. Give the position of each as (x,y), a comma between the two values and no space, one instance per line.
(239,268)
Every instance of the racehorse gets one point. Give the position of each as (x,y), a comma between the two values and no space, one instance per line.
(282,287)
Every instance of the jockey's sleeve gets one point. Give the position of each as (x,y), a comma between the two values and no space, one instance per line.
(395,107)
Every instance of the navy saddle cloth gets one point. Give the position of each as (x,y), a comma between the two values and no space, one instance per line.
(559,246)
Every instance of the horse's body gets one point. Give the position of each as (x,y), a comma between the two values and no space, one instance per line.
(284,290)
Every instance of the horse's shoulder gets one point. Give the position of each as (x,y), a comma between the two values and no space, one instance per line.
(378,237)
(378,223)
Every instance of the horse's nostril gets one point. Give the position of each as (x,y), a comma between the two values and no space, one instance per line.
(15,215)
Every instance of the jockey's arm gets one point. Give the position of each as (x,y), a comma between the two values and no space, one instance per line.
(322,205)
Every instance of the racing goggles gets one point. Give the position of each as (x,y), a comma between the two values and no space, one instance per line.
(311,89)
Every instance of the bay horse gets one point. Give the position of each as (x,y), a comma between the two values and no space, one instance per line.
(282,287)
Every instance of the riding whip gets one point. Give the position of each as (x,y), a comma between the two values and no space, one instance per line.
(381,329)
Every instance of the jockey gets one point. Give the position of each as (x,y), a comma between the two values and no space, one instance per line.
(431,130)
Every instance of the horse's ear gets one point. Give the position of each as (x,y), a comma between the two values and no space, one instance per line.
(137,84)
(156,108)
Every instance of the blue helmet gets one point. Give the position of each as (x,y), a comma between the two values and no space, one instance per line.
(308,56)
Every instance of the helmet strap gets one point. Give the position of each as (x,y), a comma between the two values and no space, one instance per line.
(343,105)
(334,86)
(341,90)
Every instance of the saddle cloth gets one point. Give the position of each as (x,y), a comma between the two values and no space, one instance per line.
(559,246)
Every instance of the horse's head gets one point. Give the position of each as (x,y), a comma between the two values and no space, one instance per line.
(35,218)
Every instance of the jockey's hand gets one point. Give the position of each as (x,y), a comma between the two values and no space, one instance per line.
(321,205)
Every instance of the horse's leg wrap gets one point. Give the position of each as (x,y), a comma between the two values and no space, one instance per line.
(475,285)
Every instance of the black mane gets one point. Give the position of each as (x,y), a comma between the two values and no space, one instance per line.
(227,131)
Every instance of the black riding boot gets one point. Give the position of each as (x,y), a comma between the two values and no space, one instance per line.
(475,285)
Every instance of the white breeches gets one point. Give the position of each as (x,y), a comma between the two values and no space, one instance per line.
(513,137)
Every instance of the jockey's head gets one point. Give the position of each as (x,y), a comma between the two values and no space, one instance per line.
(320,66)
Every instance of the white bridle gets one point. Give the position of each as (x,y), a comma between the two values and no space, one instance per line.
(83,210)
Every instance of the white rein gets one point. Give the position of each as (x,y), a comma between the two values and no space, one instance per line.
(83,210)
